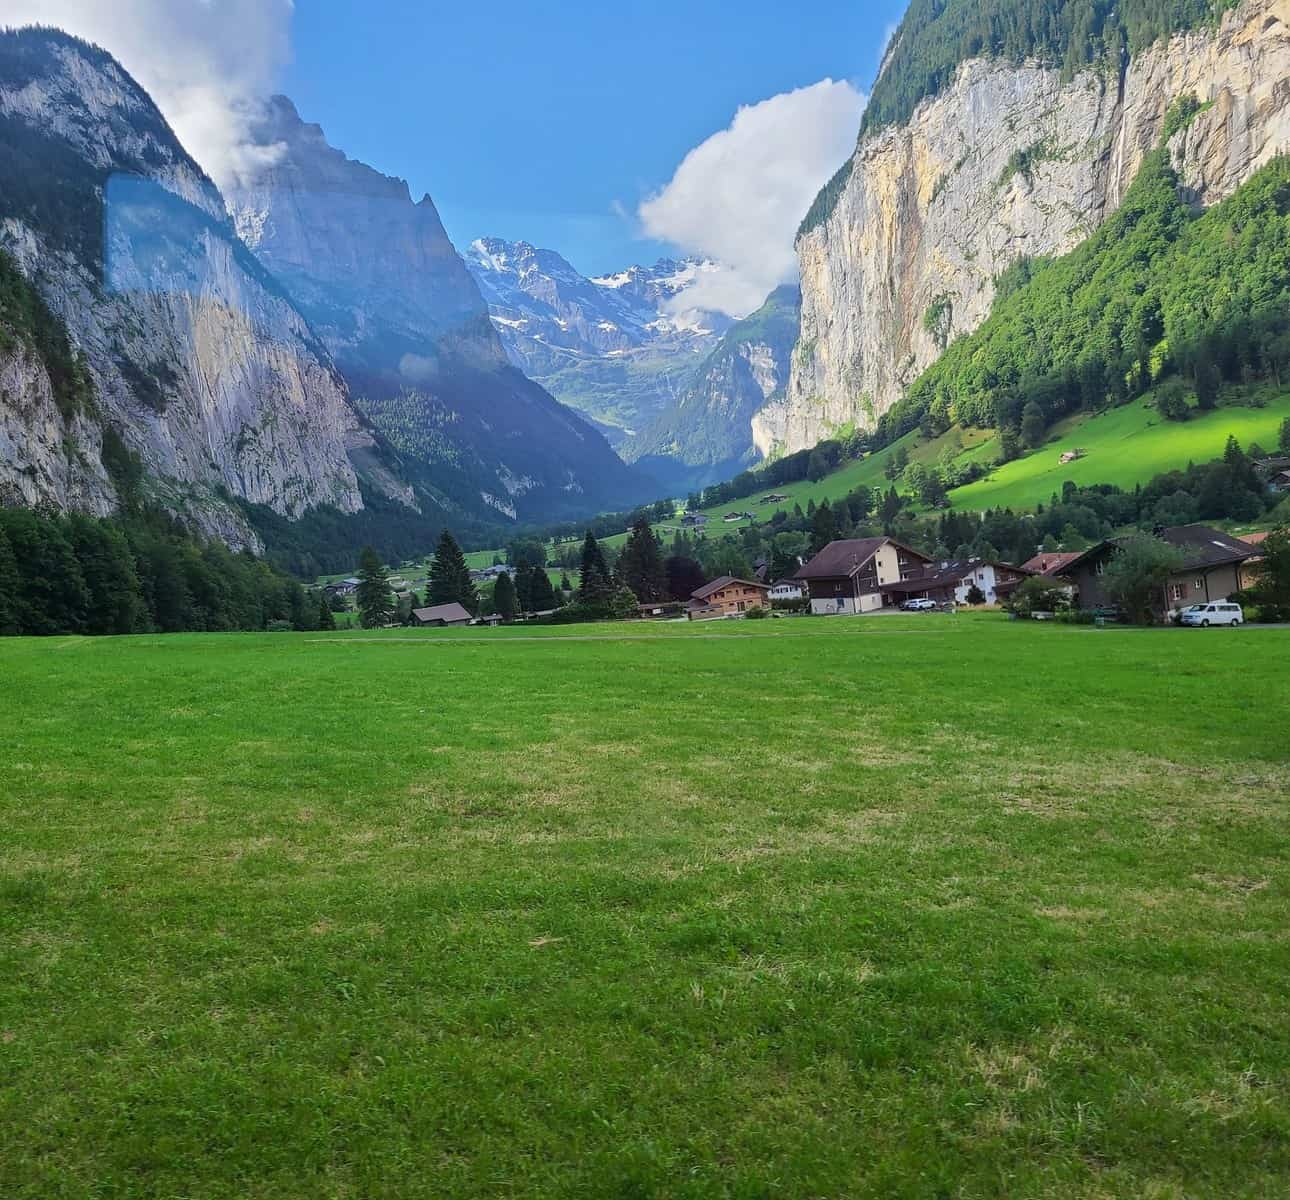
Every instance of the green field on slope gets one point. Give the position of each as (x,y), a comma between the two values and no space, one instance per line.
(1126,446)
(804,908)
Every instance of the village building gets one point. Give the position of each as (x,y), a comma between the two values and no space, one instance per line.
(786,591)
(1050,563)
(1213,563)
(441,615)
(952,582)
(727,597)
(856,575)
(694,520)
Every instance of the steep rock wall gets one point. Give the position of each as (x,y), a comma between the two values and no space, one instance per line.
(1008,162)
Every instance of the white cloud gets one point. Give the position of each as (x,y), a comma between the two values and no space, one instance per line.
(206,63)
(739,196)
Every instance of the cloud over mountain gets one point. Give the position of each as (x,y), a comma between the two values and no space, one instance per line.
(205,62)
(739,196)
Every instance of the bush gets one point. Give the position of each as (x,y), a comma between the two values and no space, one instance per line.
(1040,594)
(757,613)
(278,627)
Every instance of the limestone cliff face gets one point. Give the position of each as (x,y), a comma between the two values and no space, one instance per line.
(36,467)
(200,362)
(1008,162)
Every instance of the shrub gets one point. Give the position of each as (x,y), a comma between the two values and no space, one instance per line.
(757,614)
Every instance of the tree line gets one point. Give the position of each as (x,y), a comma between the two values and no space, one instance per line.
(139,573)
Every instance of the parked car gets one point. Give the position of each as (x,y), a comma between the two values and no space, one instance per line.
(919,606)
(1205,615)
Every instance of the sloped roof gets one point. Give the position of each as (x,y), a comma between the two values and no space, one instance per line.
(1051,564)
(842,559)
(449,613)
(710,589)
(1201,545)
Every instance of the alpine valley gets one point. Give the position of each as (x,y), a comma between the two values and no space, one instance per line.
(304,359)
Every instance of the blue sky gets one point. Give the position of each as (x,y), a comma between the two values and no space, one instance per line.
(537,121)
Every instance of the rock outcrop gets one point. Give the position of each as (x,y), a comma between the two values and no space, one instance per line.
(1008,162)
(200,363)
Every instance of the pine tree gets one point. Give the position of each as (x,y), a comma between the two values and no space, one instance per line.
(375,600)
(595,585)
(1207,378)
(450,580)
(524,587)
(1283,444)
(824,528)
(541,594)
(504,598)
(566,587)
(325,618)
(641,565)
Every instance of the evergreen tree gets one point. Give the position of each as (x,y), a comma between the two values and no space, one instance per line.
(52,596)
(1206,377)
(115,605)
(824,528)
(504,598)
(524,587)
(8,588)
(542,595)
(684,577)
(595,585)
(326,620)
(450,580)
(1283,443)
(374,598)
(641,565)
(1033,425)
(565,586)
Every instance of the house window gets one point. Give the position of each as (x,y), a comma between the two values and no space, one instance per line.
(742,606)
(1100,569)
(1200,585)
(1176,592)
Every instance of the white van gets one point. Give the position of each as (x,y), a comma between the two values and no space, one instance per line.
(1218,613)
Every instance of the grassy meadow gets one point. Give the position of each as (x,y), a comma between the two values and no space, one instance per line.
(882,907)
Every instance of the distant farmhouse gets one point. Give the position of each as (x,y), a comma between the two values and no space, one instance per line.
(441,615)
(694,520)
(727,597)
(1213,564)
(857,575)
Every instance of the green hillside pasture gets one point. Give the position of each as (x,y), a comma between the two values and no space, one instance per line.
(1126,446)
(806,908)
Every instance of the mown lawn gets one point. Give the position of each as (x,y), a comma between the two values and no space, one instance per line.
(888,907)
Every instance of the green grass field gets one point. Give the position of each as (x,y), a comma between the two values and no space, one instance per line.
(889,907)
(1126,446)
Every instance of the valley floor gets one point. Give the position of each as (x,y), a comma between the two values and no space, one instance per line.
(917,907)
